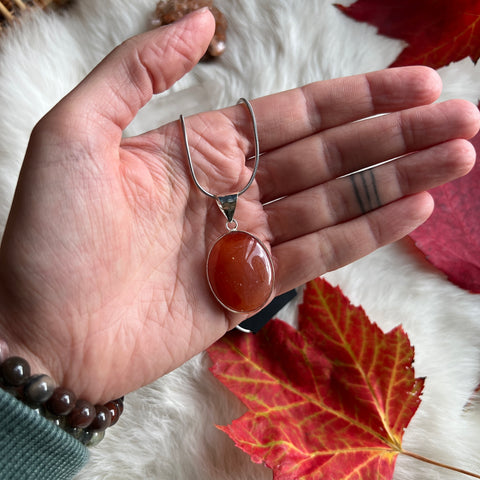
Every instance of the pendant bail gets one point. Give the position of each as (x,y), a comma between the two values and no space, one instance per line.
(227,205)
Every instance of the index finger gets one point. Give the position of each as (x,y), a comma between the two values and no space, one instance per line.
(289,116)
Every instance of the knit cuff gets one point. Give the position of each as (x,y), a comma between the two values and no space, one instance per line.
(33,448)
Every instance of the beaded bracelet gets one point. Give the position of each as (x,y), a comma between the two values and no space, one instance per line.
(81,419)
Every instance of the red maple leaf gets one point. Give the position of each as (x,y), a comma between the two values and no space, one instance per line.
(329,400)
(450,238)
(437,31)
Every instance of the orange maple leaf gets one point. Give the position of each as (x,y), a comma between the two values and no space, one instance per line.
(329,400)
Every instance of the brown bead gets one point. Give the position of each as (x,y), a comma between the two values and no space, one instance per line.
(61,402)
(120,404)
(15,371)
(102,418)
(38,389)
(240,272)
(114,410)
(82,414)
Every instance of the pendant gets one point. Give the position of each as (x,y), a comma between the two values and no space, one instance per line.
(239,267)
(240,272)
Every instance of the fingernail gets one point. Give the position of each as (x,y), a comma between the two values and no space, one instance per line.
(200,11)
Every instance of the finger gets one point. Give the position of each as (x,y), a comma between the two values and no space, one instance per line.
(348,197)
(347,148)
(289,116)
(149,63)
(307,257)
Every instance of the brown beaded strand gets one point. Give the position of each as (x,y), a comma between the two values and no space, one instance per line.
(81,419)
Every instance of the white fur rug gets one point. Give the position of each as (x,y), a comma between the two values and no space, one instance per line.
(168,429)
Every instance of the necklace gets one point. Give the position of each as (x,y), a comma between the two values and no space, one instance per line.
(239,267)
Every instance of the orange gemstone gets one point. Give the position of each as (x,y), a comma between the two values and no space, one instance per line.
(240,272)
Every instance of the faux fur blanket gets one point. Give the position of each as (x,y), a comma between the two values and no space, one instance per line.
(168,429)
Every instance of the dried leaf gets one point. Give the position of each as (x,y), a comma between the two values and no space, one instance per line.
(329,400)
(437,31)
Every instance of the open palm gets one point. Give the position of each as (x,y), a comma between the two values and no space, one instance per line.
(102,265)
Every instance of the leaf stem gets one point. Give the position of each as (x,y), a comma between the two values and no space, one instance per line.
(438,464)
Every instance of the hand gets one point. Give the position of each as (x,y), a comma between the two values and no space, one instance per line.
(102,265)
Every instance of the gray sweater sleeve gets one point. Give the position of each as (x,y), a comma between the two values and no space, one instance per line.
(32,448)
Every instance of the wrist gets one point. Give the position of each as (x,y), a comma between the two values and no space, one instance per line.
(84,421)
(12,344)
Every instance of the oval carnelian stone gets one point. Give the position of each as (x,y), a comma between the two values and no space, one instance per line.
(240,272)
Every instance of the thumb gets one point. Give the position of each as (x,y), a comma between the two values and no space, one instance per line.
(140,67)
